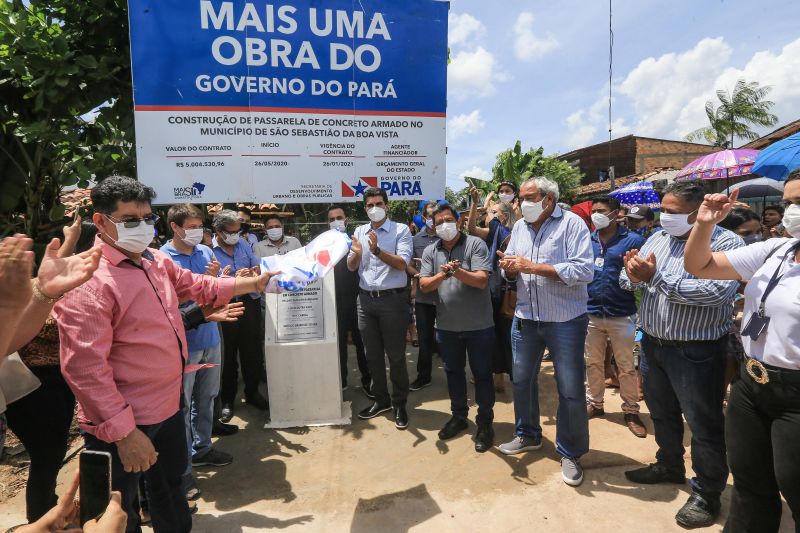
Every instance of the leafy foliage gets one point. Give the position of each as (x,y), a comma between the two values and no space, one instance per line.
(737,113)
(516,166)
(59,62)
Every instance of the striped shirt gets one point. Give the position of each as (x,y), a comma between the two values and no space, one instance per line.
(564,242)
(677,306)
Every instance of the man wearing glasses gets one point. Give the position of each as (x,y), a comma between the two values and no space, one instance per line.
(123,352)
(243,336)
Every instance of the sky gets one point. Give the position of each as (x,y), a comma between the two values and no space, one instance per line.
(538,71)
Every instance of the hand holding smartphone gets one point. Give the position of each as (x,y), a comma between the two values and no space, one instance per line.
(95,484)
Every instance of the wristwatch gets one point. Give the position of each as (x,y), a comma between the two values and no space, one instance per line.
(376,252)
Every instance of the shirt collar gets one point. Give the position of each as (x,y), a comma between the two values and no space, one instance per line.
(622,231)
(171,250)
(386,226)
(270,243)
(461,239)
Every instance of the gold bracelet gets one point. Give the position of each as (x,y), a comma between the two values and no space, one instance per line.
(42,297)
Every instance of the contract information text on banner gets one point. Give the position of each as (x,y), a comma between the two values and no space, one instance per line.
(289,101)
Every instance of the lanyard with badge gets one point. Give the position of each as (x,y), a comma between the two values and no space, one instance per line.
(759,321)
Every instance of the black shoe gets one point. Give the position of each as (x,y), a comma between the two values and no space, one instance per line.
(189,487)
(374,410)
(223,430)
(227,412)
(213,458)
(699,511)
(484,438)
(367,388)
(453,427)
(258,401)
(419,383)
(656,473)
(400,418)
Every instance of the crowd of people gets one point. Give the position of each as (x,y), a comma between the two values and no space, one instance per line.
(151,343)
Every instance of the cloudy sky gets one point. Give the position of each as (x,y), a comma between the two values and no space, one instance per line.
(538,71)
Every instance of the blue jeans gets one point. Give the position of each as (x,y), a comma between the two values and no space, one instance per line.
(454,347)
(565,342)
(199,391)
(688,379)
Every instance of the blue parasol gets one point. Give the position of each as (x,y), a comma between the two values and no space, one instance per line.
(640,193)
(779,159)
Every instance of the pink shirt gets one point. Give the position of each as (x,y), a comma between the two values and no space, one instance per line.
(120,333)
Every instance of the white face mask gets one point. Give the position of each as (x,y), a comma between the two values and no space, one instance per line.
(193,237)
(429,223)
(133,240)
(676,225)
(791,220)
(600,220)
(447,231)
(506,197)
(531,211)
(275,234)
(376,214)
(231,238)
(338,225)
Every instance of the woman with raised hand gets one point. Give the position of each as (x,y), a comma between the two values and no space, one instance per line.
(762,424)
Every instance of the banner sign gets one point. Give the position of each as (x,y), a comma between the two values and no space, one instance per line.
(289,101)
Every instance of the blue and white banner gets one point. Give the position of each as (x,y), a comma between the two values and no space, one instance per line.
(289,101)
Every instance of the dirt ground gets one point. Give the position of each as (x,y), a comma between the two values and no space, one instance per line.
(368,476)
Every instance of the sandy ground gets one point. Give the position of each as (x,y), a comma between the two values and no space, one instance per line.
(369,476)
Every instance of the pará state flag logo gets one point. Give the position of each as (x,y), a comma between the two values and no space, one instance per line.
(357,189)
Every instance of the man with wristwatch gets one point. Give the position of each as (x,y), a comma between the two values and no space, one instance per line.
(381,252)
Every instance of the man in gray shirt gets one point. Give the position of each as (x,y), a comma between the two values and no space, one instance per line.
(458,267)
(424,302)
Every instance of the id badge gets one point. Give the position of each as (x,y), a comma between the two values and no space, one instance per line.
(756,326)
(599,262)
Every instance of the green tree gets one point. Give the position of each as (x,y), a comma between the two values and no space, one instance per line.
(516,166)
(736,115)
(59,62)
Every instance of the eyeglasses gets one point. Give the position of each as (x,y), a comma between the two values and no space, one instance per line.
(131,223)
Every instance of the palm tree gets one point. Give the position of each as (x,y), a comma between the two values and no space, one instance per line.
(736,114)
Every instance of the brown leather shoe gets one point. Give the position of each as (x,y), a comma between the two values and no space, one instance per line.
(593,411)
(635,424)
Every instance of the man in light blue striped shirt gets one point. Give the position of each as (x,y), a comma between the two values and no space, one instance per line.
(550,254)
(686,321)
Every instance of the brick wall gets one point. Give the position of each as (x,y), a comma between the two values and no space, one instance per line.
(655,153)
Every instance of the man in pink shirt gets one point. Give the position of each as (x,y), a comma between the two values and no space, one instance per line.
(123,351)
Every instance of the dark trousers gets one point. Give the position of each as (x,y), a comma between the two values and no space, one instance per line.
(687,379)
(347,322)
(455,348)
(762,431)
(167,501)
(41,420)
(426,318)
(502,354)
(383,322)
(242,337)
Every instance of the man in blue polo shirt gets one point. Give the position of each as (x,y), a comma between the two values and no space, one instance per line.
(612,314)
(200,388)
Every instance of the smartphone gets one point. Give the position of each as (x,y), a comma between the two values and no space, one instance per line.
(95,488)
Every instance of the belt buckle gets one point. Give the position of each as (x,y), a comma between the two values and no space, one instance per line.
(375,294)
(762,377)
